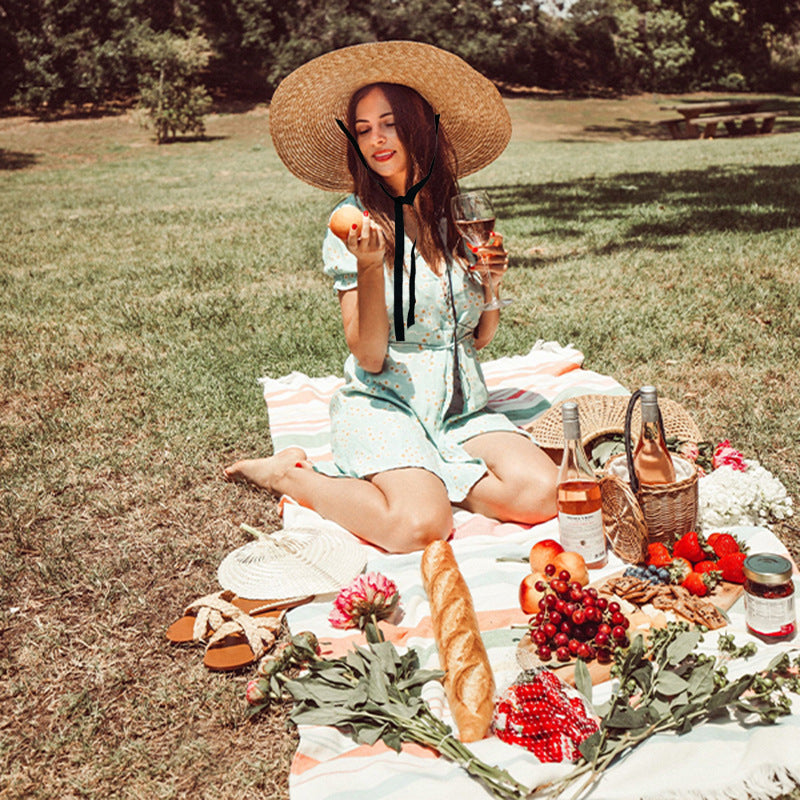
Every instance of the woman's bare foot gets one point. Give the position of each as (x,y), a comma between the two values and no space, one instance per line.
(266,473)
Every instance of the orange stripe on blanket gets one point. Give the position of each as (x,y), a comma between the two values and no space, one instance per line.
(302,763)
(487,621)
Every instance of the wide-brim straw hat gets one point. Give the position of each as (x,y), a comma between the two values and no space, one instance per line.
(604,415)
(291,563)
(307,103)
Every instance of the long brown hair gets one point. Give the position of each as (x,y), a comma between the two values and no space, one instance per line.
(415,126)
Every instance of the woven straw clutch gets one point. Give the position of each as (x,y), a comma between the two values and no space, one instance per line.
(603,415)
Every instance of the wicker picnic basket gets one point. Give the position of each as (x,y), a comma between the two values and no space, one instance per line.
(668,511)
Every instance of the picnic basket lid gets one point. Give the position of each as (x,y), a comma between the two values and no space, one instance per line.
(604,415)
(292,562)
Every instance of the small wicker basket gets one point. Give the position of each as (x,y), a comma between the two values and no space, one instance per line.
(669,510)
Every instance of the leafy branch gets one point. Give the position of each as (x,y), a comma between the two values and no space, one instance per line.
(371,693)
(668,686)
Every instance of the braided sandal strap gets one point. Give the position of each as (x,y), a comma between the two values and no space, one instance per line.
(260,634)
(212,612)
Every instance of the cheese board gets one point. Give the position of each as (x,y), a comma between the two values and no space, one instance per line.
(646,606)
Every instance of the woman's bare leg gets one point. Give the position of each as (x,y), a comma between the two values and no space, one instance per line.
(400,510)
(520,485)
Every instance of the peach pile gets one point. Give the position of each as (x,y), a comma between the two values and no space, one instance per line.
(544,553)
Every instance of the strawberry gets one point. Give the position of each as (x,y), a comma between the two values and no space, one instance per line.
(658,555)
(695,584)
(691,546)
(679,568)
(725,544)
(706,566)
(730,565)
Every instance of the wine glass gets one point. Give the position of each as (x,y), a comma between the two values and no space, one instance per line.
(474,217)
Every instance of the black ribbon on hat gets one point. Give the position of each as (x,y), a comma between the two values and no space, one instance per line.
(399,237)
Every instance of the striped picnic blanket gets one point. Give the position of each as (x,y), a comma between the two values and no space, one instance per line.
(522,387)
(713,762)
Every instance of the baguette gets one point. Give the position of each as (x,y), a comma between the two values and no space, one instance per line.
(468,681)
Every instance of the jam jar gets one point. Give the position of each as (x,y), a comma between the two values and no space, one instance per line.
(769,596)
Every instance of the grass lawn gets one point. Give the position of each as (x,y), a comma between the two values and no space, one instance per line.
(144,290)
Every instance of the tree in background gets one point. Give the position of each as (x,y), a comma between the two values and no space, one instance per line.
(733,40)
(58,52)
(652,47)
(173,97)
(76,51)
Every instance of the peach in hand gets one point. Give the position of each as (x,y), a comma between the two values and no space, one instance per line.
(343,219)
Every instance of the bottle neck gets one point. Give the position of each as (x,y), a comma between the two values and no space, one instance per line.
(649,411)
(574,464)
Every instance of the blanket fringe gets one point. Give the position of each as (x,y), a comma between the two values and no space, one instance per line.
(765,783)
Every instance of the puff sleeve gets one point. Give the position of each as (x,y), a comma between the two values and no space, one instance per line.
(337,261)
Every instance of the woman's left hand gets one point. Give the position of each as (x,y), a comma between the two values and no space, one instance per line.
(492,258)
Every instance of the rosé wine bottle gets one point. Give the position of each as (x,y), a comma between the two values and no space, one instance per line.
(578,500)
(651,459)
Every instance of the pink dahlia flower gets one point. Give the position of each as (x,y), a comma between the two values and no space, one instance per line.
(369,598)
(726,455)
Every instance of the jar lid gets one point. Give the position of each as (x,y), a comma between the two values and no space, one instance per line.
(767,568)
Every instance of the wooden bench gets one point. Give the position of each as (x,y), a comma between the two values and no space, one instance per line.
(737,123)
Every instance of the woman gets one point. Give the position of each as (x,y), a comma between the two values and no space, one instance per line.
(411,433)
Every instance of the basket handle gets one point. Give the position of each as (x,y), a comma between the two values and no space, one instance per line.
(633,478)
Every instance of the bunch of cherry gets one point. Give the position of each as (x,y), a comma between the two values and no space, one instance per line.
(574,621)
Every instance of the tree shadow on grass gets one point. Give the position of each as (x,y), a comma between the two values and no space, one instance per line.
(12,160)
(655,208)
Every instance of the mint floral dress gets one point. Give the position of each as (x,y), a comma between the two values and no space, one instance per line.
(430,397)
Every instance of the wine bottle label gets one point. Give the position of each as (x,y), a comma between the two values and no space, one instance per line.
(769,616)
(583,534)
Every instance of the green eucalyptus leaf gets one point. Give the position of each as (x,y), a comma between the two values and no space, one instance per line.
(393,738)
(643,675)
(633,657)
(627,717)
(357,696)
(683,644)
(418,679)
(337,716)
(388,658)
(378,686)
(590,746)
(669,684)
(369,734)
(659,708)
(701,679)
(355,660)
(780,662)
(583,680)
(678,701)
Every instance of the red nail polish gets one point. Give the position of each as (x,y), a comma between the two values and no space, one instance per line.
(299,464)
(355,226)
(366,213)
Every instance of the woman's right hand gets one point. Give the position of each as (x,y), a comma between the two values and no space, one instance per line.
(368,248)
